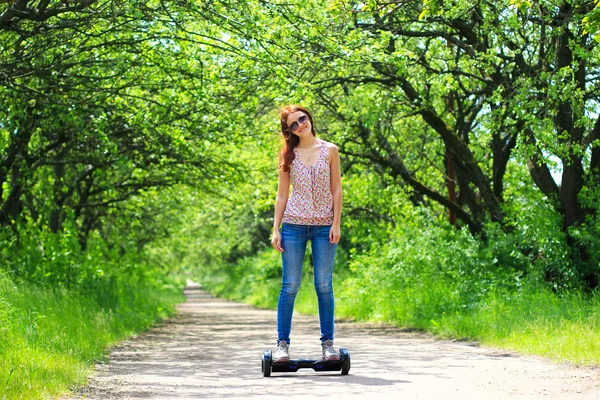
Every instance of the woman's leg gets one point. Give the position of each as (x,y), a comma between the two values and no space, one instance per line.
(293,242)
(323,253)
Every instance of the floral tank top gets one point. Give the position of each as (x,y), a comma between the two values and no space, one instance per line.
(311,202)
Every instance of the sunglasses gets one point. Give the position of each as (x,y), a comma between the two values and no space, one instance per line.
(296,124)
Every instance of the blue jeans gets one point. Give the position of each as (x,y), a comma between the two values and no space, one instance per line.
(293,241)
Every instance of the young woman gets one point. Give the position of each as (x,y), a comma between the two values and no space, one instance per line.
(312,212)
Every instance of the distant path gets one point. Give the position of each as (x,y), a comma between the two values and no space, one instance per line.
(212,349)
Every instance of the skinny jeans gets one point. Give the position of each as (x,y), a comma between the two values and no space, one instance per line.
(294,239)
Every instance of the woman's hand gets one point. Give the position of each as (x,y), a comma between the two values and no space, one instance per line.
(334,234)
(276,240)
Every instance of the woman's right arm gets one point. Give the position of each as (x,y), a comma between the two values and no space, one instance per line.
(283,192)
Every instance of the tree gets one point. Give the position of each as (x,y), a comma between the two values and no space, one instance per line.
(416,87)
(103,99)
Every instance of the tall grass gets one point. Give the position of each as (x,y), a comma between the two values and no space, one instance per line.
(52,337)
(562,327)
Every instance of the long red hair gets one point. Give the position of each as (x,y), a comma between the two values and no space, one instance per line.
(290,140)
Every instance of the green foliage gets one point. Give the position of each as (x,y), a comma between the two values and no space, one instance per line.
(138,145)
(56,260)
(592,21)
(256,279)
(423,272)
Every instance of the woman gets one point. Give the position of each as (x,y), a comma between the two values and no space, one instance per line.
(312,213)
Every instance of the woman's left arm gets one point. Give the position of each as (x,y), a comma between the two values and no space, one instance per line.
(336,193)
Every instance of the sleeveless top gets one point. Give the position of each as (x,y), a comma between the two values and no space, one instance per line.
(311,202)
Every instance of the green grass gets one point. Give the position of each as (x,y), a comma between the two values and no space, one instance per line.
(51,338)
(561,327)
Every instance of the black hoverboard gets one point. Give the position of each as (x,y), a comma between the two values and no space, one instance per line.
(268,365)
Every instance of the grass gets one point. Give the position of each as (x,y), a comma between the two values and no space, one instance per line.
(562,327)
(52,337)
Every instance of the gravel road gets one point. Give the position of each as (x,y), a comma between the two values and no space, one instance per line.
(211,349)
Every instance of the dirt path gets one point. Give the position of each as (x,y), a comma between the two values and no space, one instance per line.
(212,349)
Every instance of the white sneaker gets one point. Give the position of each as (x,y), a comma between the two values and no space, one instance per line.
(329,353)
(282,353)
